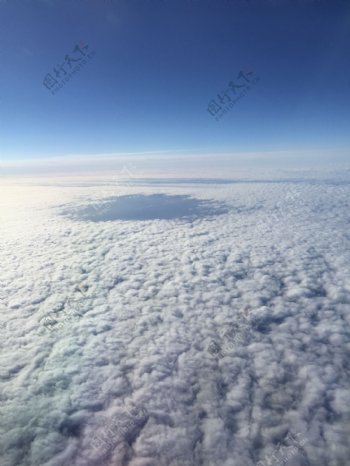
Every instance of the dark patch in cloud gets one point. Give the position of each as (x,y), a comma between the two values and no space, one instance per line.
(150,207)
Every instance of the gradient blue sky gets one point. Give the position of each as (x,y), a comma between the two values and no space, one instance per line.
(158,64)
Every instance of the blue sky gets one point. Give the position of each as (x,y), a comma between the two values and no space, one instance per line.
(158,63)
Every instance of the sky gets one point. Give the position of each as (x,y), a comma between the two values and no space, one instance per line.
(155,65)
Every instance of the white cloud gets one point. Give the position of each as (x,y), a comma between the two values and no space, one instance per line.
(267,281)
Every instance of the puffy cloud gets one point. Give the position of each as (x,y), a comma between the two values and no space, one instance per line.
(209,340)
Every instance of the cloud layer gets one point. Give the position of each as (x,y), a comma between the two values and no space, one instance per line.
(132,379)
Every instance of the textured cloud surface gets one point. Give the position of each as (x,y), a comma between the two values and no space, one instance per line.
(220,340)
